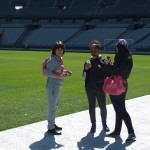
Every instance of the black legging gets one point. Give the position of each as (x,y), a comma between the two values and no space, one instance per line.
(94,93)
(121,113)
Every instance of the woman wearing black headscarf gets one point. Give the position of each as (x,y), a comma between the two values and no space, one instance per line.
(122,66)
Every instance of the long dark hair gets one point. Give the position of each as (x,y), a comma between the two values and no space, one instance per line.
(57,45)
(123,53)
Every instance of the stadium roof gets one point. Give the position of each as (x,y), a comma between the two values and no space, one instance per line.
(73,8)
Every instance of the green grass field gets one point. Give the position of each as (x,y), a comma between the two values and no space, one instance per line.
(23,97)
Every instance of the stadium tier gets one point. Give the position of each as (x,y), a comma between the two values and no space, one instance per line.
(38,24)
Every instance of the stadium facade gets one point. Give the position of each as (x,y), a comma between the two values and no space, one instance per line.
(38,24)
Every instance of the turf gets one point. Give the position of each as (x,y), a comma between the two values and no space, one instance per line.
(23,97)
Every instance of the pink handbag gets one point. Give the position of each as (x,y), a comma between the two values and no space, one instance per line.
(114,85)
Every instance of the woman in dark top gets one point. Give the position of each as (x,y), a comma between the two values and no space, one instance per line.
(94,72)
(122,66)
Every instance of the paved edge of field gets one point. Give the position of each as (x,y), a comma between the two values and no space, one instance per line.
(76,135)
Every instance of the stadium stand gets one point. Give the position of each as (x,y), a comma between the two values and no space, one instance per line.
(38,24)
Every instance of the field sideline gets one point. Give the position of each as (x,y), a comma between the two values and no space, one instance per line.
(22,87)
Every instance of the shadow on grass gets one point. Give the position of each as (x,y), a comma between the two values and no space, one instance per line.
(47,143)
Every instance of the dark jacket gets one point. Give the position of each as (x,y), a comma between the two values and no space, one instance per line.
(96,74)
(122,68)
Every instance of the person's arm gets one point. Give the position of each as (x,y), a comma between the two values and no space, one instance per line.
(67,72)
(87,65)
(123,69)
(51,64)
(56,76)
(86,69)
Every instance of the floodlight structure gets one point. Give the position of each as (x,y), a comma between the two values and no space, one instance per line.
(18,7)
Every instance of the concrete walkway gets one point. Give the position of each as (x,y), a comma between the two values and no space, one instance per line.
(76,136)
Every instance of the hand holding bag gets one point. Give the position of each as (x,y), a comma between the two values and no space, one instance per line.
(114,85)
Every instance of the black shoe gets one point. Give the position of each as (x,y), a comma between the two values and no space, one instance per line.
(105,128)
(57,128)
(54,132)
(131,138)
(93,128)
(112,134)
